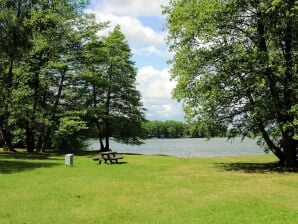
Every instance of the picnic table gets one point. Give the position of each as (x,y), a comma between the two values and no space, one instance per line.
(108,156)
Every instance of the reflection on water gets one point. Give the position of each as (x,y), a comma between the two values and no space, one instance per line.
(188,147)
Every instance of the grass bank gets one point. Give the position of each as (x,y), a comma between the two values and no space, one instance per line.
(146,189)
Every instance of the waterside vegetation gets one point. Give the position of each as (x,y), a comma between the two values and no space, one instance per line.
(59,79)
(177,129)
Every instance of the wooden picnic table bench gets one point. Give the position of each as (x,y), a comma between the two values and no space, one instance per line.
(108,156)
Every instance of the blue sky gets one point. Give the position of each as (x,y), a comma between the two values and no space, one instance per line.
(144,27)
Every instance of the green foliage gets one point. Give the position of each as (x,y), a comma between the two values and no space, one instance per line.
(236,67)
(113,102)
(50,58)
(177,129)
(68,135)
(166,129)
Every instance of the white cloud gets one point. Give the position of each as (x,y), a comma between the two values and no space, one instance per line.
(143,40)
(156,88)
(136,33)
(133,8)
(151,50)
(155,85)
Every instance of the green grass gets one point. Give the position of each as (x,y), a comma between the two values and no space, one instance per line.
(146,189)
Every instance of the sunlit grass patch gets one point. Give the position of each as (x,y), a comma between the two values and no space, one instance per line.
(146,189)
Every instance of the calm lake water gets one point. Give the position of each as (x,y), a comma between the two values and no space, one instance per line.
(188,147)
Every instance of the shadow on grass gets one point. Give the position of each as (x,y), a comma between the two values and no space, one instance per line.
(255,167)
(30,156)
(18,162)
(119,163)
(7,167)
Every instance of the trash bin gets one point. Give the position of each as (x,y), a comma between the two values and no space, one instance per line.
(68,159)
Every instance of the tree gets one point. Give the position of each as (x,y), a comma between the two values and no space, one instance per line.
(177,129)
(14,42)
(114,103)
(154,129)
(165,129)
(39,45)
(202,130)
(236,65)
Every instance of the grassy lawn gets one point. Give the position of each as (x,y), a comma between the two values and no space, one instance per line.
(146,189)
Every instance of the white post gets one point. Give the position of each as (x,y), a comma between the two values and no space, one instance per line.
(68,159)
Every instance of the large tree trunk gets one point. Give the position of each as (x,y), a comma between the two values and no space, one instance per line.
(4,129)
(107,138)
(53,120)
(102,147)
(5,136)
(289,146)
(107,122)
(46,139)
(274,149)
(30,141)
(108,102)
(100,135)
(31,128)
(281,103)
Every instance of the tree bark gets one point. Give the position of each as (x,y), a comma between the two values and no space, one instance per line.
(30,141)
(274,149)
(281,108)
(288,44)
(107,121)
(107,137)
(99,131)
(5,136)
(53,119)
(289,146)
(100,137)
(34,85)
(102,147)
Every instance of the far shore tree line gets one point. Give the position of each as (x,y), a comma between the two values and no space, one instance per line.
(59,78)
(178,129)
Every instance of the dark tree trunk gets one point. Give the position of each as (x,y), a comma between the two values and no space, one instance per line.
(39,142)
(4,129)
(274,149)
(46,140)
(100,135)
(289,146)
(107,122)
(30,141)
(108,102)
(5,136)
(282,101)
(107,138)
(288,50)
(102,147)
(53,120)
(31,125)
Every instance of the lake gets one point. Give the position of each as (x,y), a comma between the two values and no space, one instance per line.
(188,147)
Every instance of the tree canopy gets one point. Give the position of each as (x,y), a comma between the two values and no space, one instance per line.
(236,66)
(115,106)
(59,79)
